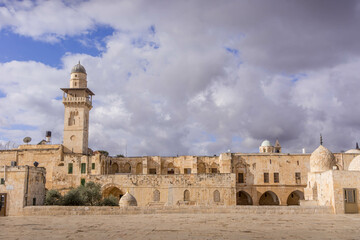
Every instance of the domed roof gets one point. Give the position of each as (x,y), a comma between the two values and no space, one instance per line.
(127,200)
(322,159)
(355,164)
(353,151)
(266,143)
(78,68)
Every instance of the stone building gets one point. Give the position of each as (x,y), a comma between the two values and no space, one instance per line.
(20,186)
(269,177)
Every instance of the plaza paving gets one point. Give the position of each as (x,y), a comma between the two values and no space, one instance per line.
(182,226)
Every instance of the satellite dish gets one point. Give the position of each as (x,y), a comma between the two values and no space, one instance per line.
(27,140)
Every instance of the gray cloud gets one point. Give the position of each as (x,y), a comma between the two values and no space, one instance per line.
(290,72)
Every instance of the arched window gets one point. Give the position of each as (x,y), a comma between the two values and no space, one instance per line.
(186,195)
(127,168)
(214,168)
(170,168)
(156,196)
(201,169)
(139,168)
(114,168)
(216,196)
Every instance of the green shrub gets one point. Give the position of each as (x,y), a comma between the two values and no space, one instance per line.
(53,197)
(91,193)
(74,198)
(110,201)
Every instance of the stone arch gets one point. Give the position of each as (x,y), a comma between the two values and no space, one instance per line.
(214,168)
(139,168)
(156,196)
(170,168)
(269,198)
(216,196)
(127,168)
(114,168)
(187,195)
(201,168)
(112,189)
(243,198)
(295,197)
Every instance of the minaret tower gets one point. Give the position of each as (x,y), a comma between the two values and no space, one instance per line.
(78,102)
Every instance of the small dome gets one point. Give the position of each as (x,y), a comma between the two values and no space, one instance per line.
(78,68)
(127,200)
(266,143)
(355,164)
(322,159)
(353,151)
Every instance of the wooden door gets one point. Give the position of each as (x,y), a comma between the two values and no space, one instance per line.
(350,200)
(2,204)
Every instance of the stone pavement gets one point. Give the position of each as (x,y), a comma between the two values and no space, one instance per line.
(182,226)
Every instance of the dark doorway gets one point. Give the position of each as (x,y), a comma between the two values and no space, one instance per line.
(2,204)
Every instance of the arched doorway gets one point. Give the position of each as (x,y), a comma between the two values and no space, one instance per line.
(139,168)
(201,169)
(186,195)
(114,191)
(114,168)
(127,168)
(295,197)
(243,198)
(269,198)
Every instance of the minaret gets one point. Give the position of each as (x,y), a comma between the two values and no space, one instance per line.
(78,102)
(277,147)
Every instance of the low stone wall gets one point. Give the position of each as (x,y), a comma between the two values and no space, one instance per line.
(92,210)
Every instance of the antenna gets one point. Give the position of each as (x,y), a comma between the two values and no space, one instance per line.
(27,140)
(321,140)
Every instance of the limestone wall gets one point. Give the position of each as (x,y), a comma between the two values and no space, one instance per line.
(22,185)
(172,187)
(88,210)
(341,180)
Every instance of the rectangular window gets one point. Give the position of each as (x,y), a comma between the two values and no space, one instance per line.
(83,181)
(93,166)
(276,177)
(34,201)
(2,181)
(70,168)
(297,178)
(83,168)
(187,170)
(214,170)
(266,177)
(241,178)
(152,171)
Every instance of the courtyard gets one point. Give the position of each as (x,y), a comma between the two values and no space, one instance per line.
(183,226)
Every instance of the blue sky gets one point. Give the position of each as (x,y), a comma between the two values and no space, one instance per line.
(173,78)
(23,48)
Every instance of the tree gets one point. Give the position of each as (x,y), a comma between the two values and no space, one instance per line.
(103,152)
(91,193)
(110,201)
(53,197)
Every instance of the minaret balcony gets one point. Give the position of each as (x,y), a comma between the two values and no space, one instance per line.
(69,100)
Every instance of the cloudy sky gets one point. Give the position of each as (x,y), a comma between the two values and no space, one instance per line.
(185,77)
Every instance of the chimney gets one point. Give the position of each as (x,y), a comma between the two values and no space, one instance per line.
(48,136)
